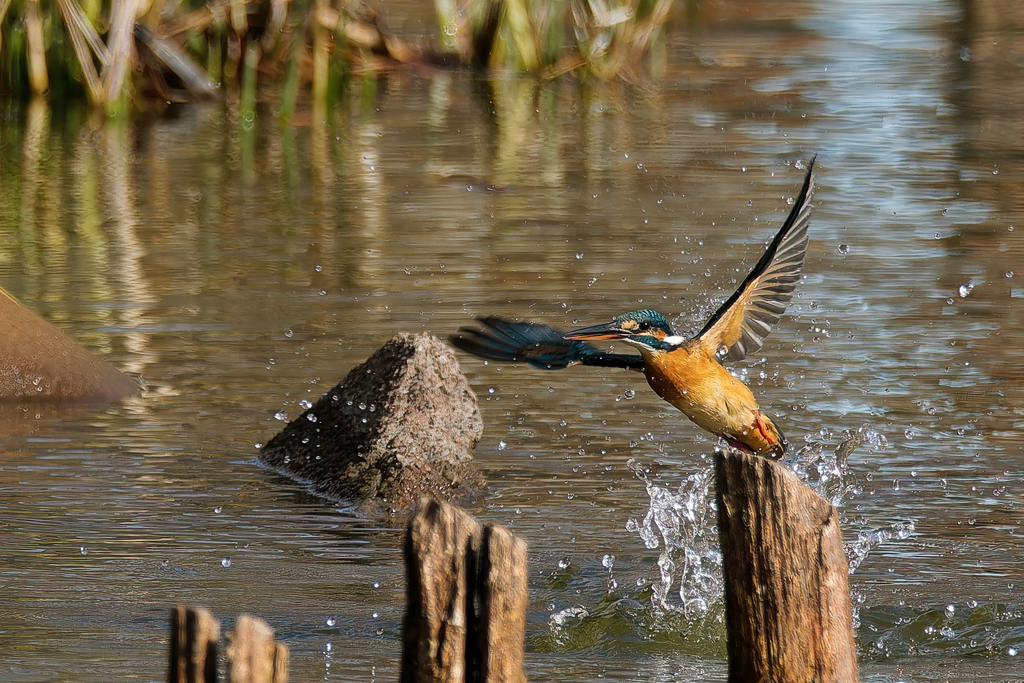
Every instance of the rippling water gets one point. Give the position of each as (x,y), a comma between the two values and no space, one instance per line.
(244,271)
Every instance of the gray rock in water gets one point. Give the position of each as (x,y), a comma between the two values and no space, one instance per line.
(402,424)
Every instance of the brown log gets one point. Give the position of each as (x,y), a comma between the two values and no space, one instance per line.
(194,635)
(466,599)
(787,603)
(254,655)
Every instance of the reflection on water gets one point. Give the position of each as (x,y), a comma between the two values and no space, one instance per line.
(245,271)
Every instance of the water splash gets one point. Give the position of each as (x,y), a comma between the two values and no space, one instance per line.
(857,551)
(684,522)
(825,470)
(867,541)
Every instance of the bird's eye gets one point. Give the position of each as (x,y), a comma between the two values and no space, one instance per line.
(645,325)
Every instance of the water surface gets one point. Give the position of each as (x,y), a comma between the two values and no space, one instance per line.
(243,271)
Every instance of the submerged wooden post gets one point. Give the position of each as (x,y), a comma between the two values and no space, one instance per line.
(466,599)
(787,602)
(194,635)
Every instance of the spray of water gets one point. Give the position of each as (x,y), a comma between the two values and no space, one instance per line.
(684,522)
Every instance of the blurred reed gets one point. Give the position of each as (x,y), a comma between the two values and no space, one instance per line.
(132,54)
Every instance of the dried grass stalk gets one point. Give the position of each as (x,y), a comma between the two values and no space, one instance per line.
(37,75)
(86,42)
(120,44)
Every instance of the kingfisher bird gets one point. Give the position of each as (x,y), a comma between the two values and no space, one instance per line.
(686,372)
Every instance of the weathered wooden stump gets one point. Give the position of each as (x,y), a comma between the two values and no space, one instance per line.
(194,636)
(38,361)
(253,654)
(401,425)
(466,599)
(787,602)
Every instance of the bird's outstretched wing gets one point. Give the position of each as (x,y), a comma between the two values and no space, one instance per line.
(539,345)
(741,323)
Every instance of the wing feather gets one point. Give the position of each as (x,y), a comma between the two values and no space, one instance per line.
(741,324)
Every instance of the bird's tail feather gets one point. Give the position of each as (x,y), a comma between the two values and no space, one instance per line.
(539,345)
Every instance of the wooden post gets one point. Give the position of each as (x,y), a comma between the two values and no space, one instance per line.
(194,635)
(466,599)
(787,603)
(253,654)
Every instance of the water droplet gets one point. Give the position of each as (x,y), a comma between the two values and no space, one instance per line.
(281,415)
(563,563)
(83,550)
(965,289)
(1012,651)
(288,333)
(376,584)
(305,404)
(608,561)
(375,615)
(909,434)
(844,248)
(629,394)
(216,510)
(579,256)
(226,562)
(502,445)
(1009,273)
(950,610)
(330,621)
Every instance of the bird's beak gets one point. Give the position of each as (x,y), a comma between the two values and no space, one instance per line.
(598,333)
